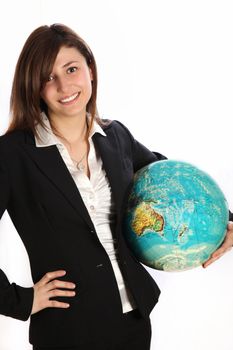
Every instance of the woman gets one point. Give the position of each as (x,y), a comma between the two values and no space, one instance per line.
(64,177)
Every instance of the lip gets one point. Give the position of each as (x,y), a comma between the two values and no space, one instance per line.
(68,100)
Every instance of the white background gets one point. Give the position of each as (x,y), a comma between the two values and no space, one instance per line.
(165,71)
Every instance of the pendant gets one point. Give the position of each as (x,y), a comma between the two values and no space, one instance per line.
(81,166)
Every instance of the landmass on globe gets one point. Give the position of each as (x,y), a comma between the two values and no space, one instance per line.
(145,217)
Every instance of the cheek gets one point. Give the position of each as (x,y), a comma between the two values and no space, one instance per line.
(88,85)
(43,94)
(46,94)
(85,80)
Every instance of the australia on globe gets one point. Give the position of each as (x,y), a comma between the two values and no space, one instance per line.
(176,216)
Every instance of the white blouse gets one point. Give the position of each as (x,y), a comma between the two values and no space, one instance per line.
(97,197)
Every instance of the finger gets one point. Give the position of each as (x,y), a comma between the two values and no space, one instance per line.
(210,261)
(207,263)
(218,252)
(230,225)
(60,293)
(226,245)
(59,284)
(221,251)
(57,304)
(52,275)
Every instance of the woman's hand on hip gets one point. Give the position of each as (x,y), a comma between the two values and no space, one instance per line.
(47,288)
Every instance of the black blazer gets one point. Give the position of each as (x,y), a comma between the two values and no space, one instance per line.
(47,210)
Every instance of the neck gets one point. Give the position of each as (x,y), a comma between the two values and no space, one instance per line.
(72,129)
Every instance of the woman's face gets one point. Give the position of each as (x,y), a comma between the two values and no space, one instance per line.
(69,88)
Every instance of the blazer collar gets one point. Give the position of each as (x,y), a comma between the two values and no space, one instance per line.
(48,138)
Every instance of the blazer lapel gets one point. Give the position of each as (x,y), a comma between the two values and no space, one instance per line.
(112,161)
(52,165)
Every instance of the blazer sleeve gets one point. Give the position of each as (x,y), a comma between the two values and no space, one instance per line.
(15,301)
(140,154)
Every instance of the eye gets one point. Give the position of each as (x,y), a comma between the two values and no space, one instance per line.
(50,78)
(71,70)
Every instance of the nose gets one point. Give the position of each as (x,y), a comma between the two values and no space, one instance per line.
(62,84)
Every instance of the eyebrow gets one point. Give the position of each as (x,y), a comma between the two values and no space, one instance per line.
(68,63)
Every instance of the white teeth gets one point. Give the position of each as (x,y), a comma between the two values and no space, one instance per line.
(68,99)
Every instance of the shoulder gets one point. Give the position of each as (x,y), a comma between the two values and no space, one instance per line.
(11,139)
(110,123)
(114,126)
(12,136)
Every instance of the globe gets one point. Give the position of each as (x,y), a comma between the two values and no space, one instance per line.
(176,216)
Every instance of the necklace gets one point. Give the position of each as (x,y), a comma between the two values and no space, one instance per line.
(79,165)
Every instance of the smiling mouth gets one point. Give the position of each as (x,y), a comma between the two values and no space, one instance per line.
(70,99)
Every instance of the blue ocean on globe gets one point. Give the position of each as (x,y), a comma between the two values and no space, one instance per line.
(176,216)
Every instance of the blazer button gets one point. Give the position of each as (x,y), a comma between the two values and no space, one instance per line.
(99,265)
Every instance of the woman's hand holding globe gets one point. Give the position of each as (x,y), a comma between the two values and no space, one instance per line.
(224,248)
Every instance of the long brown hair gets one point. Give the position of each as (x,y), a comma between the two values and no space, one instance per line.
(34,65)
